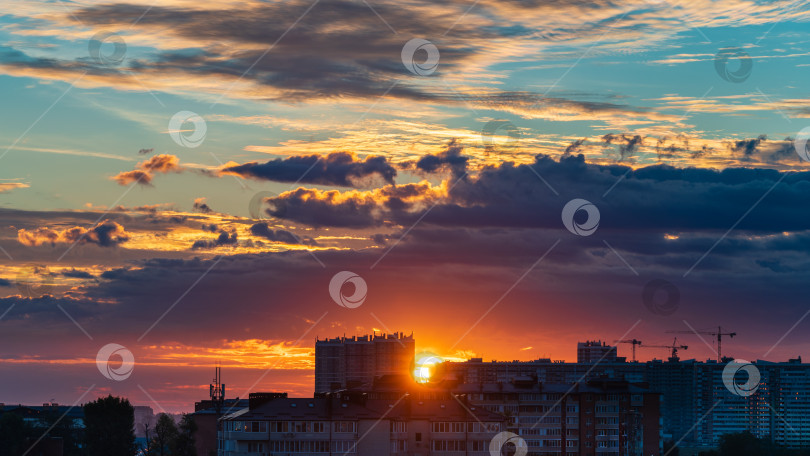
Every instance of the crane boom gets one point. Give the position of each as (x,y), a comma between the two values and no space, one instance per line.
(630,341)
(674,347)
(718,334)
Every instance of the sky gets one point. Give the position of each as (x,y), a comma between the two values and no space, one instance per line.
(186,180)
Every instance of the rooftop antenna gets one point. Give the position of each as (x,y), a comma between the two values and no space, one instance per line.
(217,390)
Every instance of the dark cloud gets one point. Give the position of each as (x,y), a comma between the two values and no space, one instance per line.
(762,148)
(104,234)
(574,147)
(656,197)
(450,158)
(747,147)
(5,283)
(338,168)
(332,209)
(263,230)
(146,151)
(201,206)
(628,144)
(225,238)
(77,274)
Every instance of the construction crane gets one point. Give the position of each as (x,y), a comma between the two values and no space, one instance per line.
(674,347)
(719,334)
(630,341)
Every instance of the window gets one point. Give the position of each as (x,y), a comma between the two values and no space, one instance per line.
(399,426)
(418,436)
(345,426)
(279,426)
(256,426)
(305,446)
(343,446)
(255,447)
(449,445)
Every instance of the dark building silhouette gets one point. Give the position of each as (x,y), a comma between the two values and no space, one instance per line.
(346,362)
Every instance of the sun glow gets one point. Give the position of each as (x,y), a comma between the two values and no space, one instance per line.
(425,367)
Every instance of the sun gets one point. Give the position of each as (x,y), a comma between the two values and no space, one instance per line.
(425,367)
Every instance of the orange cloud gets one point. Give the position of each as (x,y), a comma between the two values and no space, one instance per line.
(105,234)
(163,163)
(8,186)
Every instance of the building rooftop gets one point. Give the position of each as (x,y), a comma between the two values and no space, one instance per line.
(353,406)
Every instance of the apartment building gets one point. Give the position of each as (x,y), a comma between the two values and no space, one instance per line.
(351,422)
(344,362)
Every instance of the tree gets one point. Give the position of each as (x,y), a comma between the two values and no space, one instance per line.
(184,443)
(671,448)
(741,444)
(109,427)
(15,434)
(165,435)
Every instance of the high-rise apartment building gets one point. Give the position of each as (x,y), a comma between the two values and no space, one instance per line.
(594,351)
(349,362)
(697,407)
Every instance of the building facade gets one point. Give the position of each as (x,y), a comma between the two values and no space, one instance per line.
(345,362)
(353,423)
(697,407)
(594,351)
(599,417)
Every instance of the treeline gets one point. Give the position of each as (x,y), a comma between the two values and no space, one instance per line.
(746,444)
(109,430)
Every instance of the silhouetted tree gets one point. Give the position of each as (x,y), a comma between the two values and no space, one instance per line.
(165,435)
(109,427)
(671,448)
(741,444)
(15,434)
(184,443)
